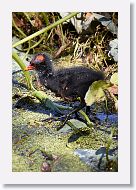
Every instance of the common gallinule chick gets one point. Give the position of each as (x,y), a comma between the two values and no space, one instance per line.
(69,83)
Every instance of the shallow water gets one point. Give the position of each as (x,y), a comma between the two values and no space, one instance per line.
(111,118)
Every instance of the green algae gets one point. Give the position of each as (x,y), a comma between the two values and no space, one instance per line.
(31,138)
(28,154)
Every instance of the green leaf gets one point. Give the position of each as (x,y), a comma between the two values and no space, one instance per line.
(75,125)
(95,92)
(114,79)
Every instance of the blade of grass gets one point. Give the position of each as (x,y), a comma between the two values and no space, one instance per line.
(23,67)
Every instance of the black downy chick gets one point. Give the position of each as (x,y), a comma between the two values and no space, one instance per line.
(69,83)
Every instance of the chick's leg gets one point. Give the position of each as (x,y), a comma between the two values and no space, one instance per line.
(82,105)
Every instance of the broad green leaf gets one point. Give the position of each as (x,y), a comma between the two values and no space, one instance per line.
(114,79)
(95,92)
(75,125)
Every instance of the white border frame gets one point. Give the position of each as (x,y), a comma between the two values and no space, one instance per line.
(123,174)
